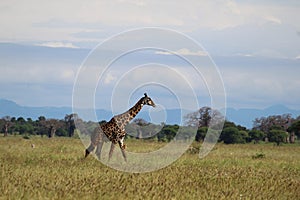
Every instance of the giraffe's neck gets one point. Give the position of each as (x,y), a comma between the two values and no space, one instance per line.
(127,116)
(134,110)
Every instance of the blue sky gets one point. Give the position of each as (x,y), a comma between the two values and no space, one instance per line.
(255,45)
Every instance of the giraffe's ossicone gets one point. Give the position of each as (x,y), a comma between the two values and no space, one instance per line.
(114,129)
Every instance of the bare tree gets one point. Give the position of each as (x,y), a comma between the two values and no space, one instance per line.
(7,124)
(267,123)
(278,122)
(204,117)
(137,124)
(52,125)
(70,122)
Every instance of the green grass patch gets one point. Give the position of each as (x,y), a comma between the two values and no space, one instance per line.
(42,168)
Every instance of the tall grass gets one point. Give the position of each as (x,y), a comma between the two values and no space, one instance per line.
(55,169)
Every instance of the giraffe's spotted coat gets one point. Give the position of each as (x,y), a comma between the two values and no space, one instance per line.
(114,130)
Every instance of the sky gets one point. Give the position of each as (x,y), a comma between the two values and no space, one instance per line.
(254,46)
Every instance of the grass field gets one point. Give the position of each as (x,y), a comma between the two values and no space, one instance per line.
(54,169)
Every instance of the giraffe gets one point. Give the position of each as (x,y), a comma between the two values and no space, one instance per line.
(114,130)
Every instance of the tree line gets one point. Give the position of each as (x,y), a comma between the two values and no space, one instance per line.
(275,128)
(41,126)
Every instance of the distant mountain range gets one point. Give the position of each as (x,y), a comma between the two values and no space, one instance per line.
(242,117)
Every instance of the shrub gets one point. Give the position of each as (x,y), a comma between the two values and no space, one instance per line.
(232,135)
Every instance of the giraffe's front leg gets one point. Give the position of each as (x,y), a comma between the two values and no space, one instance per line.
(122,147)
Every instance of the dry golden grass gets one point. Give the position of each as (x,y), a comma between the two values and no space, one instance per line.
(54,169)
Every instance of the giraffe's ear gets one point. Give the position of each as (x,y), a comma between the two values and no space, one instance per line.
(145,94)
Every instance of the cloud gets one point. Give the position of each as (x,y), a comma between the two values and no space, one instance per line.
(109,78)
(97,20)
(60,19)
(36,74)
(58,45)
(134,2)
(160,78)
(267,83)
(244,54)
(273,19)
(236,30)
(183,52)
(232,6)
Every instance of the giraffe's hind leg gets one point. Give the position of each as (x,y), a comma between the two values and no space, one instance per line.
(112,147)
(89,149)
(99,149)
(95,138)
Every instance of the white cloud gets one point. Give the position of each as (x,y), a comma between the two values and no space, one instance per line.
(244,54)
(162,78)
(232,6)
(184,52)
(261,86)
(181,15)
(134,2)
(58,45)
(225,27)
(36,74)
(109,78)
(273,19)
(72,20)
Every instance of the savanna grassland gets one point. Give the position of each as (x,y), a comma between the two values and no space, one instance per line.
(54,169)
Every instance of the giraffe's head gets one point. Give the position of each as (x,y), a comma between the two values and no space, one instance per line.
(147,101)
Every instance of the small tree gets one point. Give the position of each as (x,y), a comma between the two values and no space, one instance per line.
(256,135)
(41,128)
(201,133)
(244,135)
(294,129)
(167,133)
(277,136)
(231,135)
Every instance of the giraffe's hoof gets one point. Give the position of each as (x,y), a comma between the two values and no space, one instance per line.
(86,153)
